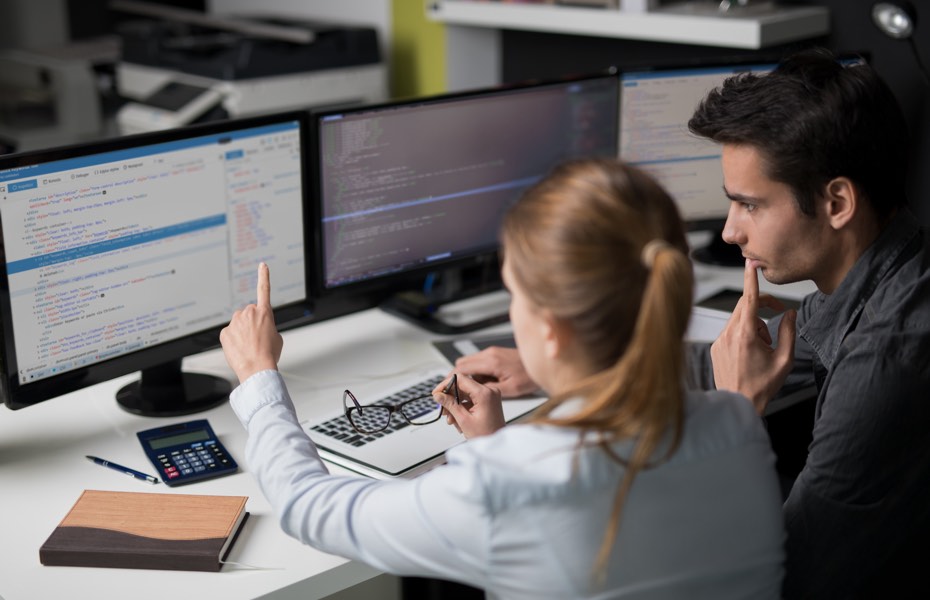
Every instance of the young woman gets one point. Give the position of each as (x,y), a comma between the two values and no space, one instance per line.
(623,485)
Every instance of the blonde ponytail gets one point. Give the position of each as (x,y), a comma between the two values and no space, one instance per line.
(617,272)
(649,376)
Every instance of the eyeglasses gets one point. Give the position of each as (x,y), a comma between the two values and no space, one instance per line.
(373,418)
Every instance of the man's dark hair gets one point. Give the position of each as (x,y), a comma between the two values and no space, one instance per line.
(813,119)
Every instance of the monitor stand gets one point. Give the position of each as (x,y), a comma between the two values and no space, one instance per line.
(718,252)
(454,316)
(166,391)
(455,300)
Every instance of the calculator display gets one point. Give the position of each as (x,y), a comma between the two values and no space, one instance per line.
(174,440)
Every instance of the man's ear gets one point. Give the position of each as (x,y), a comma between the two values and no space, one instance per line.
(842,201)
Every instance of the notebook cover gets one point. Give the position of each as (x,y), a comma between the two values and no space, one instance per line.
(135,530)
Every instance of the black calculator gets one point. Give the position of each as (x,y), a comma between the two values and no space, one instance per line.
(186,452)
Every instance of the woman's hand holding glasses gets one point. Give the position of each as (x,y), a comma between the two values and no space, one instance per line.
(480,411)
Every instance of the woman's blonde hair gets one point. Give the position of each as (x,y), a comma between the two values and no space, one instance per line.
(600,245)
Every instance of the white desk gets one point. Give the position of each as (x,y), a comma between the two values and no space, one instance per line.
(43,469)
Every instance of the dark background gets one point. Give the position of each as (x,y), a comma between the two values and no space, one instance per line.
(529,55)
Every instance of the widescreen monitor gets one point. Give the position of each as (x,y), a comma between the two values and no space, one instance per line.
(655,106)
(414,187)
(130,254)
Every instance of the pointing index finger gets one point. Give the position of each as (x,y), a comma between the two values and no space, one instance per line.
(263,290)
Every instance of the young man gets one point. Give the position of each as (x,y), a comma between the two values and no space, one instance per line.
(814,161)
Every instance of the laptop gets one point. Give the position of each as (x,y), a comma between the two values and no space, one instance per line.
(403,450)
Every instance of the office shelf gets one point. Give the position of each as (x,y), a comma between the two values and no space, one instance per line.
(685,23)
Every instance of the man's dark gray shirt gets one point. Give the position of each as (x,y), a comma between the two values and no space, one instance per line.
(864,491)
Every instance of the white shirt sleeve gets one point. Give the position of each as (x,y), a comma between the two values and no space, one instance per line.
(436,525)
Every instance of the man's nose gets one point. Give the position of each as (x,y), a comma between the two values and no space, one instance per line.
(732,232)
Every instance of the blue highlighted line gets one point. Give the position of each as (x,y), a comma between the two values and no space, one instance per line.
(22,185)
(517,183)
(133,239)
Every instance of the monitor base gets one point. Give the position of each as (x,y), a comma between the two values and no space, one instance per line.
(454,317)
(166,391)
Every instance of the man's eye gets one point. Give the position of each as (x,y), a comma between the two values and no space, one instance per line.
(748,207)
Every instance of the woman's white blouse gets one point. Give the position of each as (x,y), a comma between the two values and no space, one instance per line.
(522,513)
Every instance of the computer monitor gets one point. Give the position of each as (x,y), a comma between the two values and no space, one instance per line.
(655,106)
(417,187)
(130,254)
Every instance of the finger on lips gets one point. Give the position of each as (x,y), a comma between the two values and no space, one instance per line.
(751,286)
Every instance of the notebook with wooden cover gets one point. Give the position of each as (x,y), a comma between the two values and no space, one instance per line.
(136,530)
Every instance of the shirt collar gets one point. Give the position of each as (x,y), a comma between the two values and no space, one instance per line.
(836,314)
(568,408)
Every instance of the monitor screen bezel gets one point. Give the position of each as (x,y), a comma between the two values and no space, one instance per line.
(482,260)
(293,314)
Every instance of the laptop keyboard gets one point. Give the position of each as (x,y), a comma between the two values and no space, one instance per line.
(339,428)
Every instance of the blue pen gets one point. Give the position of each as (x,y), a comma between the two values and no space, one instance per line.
(124,470)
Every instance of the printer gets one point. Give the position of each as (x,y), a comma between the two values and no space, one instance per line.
(178,71)
(53,96)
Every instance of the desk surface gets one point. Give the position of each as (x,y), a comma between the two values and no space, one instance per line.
(43,470)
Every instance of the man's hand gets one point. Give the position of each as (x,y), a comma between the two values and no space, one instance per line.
(499,368)
(743,357)
(481,411)
(251,342)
